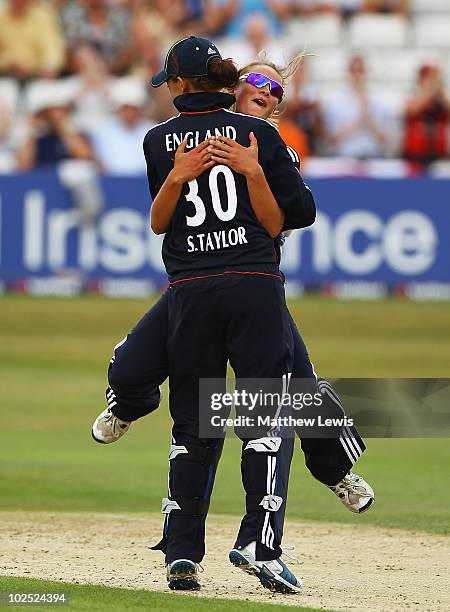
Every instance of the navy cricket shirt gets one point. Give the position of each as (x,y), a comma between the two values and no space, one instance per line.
(214,227)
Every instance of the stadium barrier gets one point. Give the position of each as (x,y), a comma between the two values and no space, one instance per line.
(371,237)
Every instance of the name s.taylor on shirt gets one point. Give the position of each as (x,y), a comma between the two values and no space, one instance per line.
(209,241)
(216,240)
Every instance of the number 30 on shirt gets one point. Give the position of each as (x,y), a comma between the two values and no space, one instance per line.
(200,210)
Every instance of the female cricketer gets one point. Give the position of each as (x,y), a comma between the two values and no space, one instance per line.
(135,372)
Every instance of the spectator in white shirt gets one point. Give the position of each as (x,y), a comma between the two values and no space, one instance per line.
(256,39)
(117,141)
(356,121)
(90,87)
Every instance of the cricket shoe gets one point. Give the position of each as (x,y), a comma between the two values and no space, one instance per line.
(274,575)
(354,492)
(182,575)
(108,428)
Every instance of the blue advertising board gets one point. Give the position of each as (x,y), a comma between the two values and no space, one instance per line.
(367,230)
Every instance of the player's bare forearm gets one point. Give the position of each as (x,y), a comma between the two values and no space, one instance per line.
(187,166)
(264,205)
(164,204)
(245,161)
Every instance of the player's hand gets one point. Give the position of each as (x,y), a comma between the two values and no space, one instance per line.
(243,160)
(188,166)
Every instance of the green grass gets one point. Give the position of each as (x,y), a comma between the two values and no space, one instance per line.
(395,338)
(53,359)
(90,597)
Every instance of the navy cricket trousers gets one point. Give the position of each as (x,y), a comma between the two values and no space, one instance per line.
(243,319)
(140,365)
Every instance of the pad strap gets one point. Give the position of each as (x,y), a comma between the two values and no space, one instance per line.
(263,445)
(189,452)
(263,502)
(186,506)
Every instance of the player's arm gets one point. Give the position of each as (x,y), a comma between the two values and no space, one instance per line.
(244,160)
(284,180)
(187,166)
(291,219)
(301,213)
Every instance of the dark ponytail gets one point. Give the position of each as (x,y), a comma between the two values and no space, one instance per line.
(222,74)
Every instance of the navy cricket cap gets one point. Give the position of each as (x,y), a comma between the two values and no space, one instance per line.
(189,57)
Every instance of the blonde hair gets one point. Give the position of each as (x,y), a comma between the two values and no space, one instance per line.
(286,74)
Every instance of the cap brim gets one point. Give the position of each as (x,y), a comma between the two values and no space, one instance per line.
(159,79)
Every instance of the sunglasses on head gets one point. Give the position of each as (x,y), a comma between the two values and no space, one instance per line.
(260,80)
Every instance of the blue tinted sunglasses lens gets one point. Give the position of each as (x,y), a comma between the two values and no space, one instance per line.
(259,80)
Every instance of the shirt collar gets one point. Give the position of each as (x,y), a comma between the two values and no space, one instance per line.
(203,102)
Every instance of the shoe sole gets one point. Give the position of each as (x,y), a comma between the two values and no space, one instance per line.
(239,561)
(268,582)
(183,578)
(103,441)
(183,584)
(97,440)
(276,586)
(367,506)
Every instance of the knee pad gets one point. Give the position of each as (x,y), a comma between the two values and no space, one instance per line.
(203,460)
(259,459)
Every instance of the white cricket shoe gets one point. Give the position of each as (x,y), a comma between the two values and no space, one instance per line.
(354,492)
(274,575)
(108,428)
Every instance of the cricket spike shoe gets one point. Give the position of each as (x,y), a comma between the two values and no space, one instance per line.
(182,575)
(355,493)
(108,428)
(274,575)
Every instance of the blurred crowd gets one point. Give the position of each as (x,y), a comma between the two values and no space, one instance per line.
(74,76)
